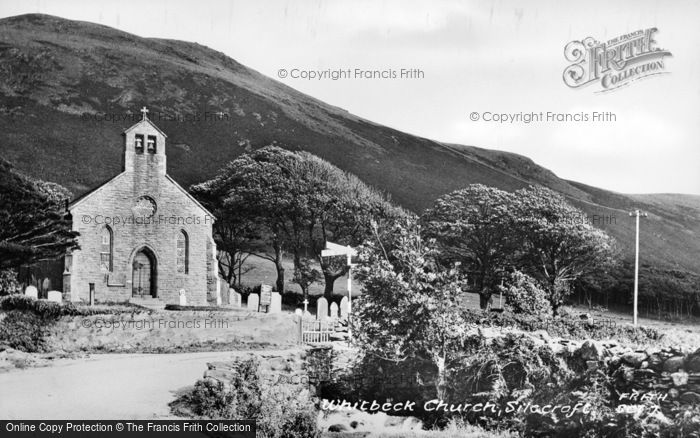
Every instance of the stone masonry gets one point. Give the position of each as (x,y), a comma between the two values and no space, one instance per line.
(151,219)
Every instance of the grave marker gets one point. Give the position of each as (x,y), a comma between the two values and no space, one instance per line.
(234,298)
(276,303)
(55,296)
(31,291)
(344,308)
(253,302)
(322,309)
(334,310)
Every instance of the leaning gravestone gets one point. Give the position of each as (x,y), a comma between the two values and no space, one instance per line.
(253,302)
(234,298)
(55,296)
(334,310)
(275,303)
(31,291)
(322,309)
(344,307)
(183,297)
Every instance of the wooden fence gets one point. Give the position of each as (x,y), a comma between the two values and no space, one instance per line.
(315,332)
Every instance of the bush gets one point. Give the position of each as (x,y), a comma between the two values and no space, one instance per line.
(24,331)
(8,282)
(281,410)
(286,411)
(524,295)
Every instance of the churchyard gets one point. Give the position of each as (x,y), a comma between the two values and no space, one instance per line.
(461,321)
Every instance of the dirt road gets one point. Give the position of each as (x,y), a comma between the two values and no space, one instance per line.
(110,386)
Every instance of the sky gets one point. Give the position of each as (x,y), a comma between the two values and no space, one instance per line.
(482,57)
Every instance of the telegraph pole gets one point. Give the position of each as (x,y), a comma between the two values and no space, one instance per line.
(637,214)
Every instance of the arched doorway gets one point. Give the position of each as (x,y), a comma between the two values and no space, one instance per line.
(144,274)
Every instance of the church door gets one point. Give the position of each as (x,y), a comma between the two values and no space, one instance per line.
(143,275)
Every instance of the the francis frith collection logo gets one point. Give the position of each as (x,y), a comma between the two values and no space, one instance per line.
(614,63)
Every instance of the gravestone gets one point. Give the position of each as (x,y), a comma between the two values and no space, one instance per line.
(307,314)
(334,310)
(265,296)
(344,307)
(299,312)
(234,298)
(55,296)
(46,285)
(275,303)
(219,285)
(322,309)
(31,291)
(253,302)
(183,297)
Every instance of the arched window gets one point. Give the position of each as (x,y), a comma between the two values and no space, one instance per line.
(183,252)
(107,249)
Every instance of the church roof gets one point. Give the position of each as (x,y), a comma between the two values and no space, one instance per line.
(145,120)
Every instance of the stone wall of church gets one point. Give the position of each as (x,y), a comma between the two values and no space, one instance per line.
(115,205)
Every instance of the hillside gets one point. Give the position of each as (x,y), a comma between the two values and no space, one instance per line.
(57,74)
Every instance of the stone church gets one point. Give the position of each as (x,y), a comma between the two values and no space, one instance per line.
(142,236)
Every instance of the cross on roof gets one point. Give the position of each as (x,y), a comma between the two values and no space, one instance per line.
(144,111)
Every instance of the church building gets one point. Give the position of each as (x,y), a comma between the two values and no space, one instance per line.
(142,236)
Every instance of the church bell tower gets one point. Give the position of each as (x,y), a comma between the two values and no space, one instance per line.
(144,147)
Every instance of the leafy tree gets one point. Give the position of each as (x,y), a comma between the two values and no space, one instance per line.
(556,248)
(305,275)
(295,202)
(34,225)
(235,230)
(254,201)
(340,208)
(408,306)
(474,226)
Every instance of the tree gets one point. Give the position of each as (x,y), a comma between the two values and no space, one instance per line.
(340,208)
(34,225)
(408,305)
(558,248)
(297,201)
(305,275)
(474,226)
(234,230)
(254,200)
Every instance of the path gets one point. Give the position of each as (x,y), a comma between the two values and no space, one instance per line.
(109,386)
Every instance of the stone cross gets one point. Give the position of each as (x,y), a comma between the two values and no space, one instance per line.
(144,111)
(306,306)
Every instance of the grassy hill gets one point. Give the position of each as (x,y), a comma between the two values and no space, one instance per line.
(58,75)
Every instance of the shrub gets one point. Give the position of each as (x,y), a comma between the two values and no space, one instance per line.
(281,410)
(24,331)
(524,295)
(8,282)
(286,411)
